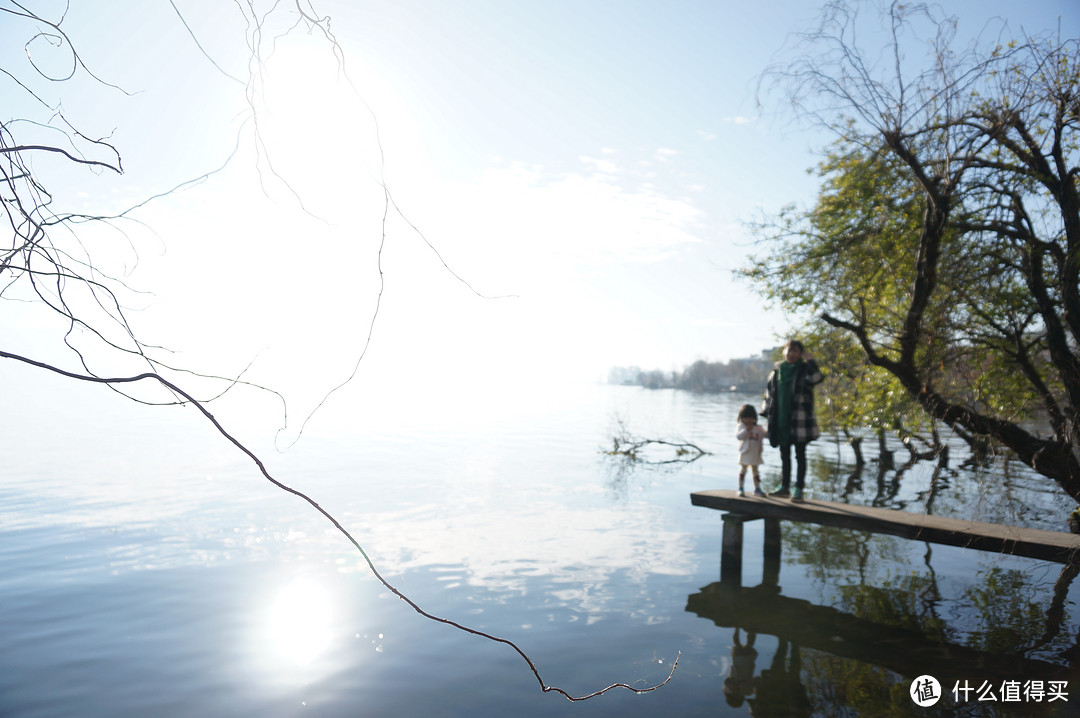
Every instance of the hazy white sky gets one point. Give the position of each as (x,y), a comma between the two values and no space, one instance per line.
(592,160)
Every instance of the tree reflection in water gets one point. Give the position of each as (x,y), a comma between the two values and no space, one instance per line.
(879,621)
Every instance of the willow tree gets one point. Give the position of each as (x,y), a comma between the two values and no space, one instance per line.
(946,238)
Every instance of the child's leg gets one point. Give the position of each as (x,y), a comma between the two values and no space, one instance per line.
(742,476)
(757,477)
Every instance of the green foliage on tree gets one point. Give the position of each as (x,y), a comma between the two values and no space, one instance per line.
(945,241)
(843,253)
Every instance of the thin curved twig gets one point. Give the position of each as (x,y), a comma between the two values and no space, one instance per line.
(153,376)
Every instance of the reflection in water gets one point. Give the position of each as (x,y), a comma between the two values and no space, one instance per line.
(855,647)
(294,630)
(519,529)
(740,681)
(857,658)
(866,641)
(298,622)
(576,549)
(780,690)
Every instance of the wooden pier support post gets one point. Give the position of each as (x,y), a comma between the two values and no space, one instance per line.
(770,565)
(731,549)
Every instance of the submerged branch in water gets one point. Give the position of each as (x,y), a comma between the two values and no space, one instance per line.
(188,398)
(631,447)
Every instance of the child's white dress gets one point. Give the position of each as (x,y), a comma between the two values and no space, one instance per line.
(752,444)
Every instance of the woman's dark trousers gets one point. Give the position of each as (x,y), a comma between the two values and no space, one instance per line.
(785,466)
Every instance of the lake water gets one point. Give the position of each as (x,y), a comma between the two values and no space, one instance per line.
(147,569)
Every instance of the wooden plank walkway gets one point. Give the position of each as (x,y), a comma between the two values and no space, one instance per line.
(1056,546)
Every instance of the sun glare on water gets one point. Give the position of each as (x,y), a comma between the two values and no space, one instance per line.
(298,624)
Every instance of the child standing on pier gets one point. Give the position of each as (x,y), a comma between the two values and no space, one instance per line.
(751,434)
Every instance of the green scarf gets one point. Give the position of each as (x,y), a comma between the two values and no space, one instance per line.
(785,391)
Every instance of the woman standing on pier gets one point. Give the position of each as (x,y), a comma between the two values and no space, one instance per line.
(789,407)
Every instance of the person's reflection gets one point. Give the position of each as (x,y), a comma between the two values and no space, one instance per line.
(740,681)
(780,692)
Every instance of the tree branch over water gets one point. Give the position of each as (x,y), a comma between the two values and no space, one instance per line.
(188,398)
(58,271)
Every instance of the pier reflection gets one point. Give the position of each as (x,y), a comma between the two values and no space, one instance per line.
(908,652)
(860,655)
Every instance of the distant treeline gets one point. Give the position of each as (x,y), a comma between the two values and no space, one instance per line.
(736,375)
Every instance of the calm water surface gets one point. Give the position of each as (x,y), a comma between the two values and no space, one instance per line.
(146,569)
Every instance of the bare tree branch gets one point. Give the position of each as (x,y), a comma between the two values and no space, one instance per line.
(188,398)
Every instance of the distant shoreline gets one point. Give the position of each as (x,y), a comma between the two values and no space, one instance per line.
(702,377)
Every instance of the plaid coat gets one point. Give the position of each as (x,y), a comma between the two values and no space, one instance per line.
(803,427)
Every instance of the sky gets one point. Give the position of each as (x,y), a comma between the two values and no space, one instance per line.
(570,182)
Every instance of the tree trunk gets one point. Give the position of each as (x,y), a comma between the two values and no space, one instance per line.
(886,456)
(856,446)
